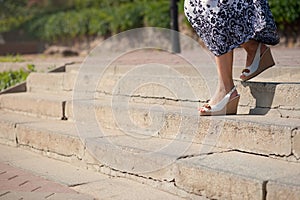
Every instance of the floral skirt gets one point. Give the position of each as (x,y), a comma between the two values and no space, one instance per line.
(226,24)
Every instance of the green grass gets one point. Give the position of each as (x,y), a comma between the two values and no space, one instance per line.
(11,58)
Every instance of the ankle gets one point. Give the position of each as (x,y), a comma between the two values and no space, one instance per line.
(225,87)
(251,47)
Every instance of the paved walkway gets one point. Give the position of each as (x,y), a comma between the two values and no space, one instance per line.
(16,183)
(28,176)
(284,57)
(287,62)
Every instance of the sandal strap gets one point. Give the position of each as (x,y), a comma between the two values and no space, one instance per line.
(255,63)
(232,90)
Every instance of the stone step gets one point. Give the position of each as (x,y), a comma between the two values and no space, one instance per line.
(234,175)
(53,136)
(275,74)
(36,104)
(277,137)
(44,82)
(198,169)
(285,70)
(261,98)
(73,68)
(50,82)
(271,99)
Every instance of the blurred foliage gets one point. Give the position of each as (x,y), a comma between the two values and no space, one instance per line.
(157,13)
(13,13)
(11,78)
(126,16)
(11,58)
(52,20)
(286,13)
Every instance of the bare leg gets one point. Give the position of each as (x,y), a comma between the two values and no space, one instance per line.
(251,47)
(225,82)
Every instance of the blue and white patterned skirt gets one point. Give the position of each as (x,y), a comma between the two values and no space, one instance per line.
(226,24)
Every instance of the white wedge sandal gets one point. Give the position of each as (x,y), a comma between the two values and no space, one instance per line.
(226,106)
(259,64)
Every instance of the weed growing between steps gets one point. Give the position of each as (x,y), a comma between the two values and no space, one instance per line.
(11,78)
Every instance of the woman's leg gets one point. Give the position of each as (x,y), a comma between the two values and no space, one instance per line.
(225,81)
(251,47)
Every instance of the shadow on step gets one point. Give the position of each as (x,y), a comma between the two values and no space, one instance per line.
(263,93)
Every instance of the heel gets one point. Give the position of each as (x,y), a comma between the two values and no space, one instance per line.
(231,108)
(267,60)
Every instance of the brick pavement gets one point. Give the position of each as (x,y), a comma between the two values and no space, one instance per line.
(19,184)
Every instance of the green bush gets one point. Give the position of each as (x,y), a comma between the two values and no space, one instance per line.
(56,26)
(11,78)
(286,14)
(66,25)
(97,22)
(56,21)
(13,13)
(285,11)
(126,16)
(157,14)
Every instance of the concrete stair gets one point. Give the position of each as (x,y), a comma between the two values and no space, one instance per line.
(35,104)
(279,99)
(157,137)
